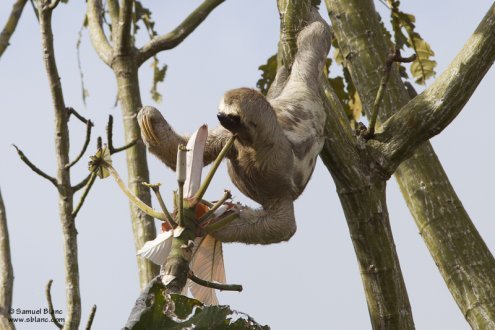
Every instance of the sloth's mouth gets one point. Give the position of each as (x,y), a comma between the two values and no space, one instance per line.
(230,122)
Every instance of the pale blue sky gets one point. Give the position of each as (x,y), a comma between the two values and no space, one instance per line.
(312,282)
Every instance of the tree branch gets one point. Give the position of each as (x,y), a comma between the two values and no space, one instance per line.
(51,310)
(430,112)
(177,35)
(113,12)
(214,285)
(123,40)
(34,168)
(72,111)
(6,271)
(96,33)
(11,24)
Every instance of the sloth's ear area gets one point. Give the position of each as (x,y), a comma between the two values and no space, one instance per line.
(230,122)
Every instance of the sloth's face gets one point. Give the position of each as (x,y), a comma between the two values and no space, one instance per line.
(245,112)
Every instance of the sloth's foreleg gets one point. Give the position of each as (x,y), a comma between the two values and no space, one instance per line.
(162,140)
(272,224)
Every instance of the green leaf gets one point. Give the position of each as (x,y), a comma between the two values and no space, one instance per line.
(268,73)
(154,309)
(423,67)
(143,14)
(158,77)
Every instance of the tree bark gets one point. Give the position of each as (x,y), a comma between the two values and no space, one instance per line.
(462,257)
(6,272)
(73,298)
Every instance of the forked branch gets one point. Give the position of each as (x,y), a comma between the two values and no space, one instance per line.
(430,112)
(111,148)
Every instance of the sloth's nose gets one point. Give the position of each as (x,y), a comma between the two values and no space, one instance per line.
(230,122)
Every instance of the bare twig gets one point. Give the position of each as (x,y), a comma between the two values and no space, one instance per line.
(177,35)
(84,194)
(156,190)
(89,125)
(214,285)
(11,24)
(35,168)
(391,59)
(81,184)
(72,111)
(112,149)
(51,310)
(91,317)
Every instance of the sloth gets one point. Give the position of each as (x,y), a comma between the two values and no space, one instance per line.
(278,138)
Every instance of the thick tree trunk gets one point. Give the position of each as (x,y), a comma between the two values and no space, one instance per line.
(462,257)
(143,226)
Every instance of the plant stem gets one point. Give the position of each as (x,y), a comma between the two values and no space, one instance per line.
(202,189)
(133,198)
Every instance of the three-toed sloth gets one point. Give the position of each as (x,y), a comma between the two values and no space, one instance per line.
(278,140)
